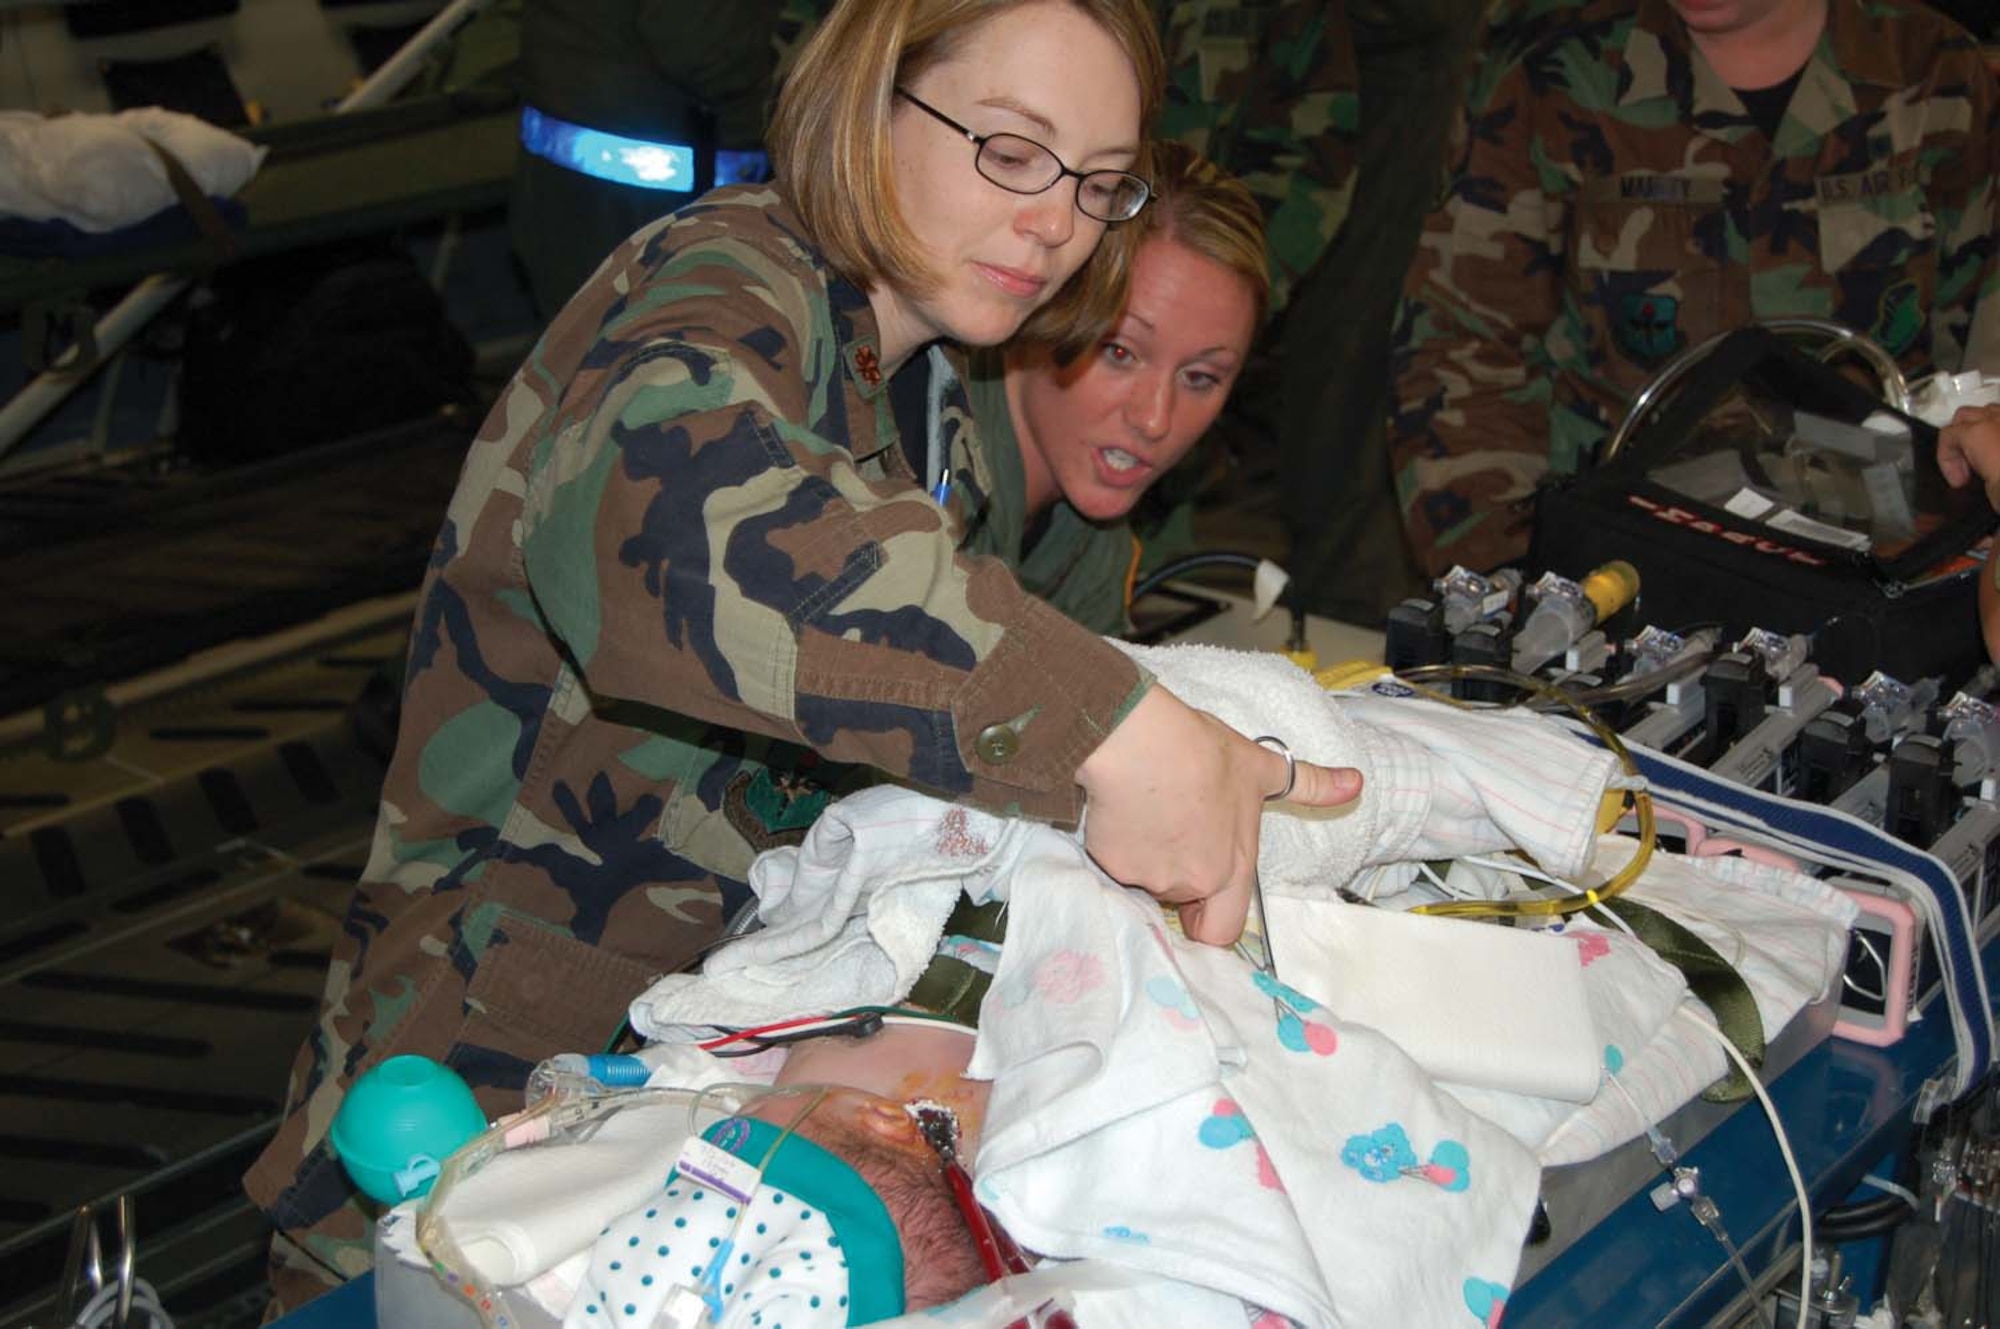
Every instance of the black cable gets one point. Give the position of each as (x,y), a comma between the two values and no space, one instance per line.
(1166,572)
(1869,1218)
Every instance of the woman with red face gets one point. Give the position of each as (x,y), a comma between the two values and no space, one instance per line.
(1073,443)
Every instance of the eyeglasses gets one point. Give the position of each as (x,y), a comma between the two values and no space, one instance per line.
(1023,166)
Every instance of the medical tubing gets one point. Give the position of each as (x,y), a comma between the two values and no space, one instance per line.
(144,1312)
(1715,1229)
(1180,567)
(711,1280)
(1638,685)
(1642,802)
(1864,1219)
(1799,1192)
(989,1250)
(613,1070)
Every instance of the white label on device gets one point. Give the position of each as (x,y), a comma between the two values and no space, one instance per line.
(1797,523)
(1749,504)
(717,1169)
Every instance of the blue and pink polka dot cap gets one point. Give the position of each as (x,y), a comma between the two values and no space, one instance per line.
(815,1246)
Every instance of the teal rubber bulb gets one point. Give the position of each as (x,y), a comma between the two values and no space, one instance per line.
(398,1124)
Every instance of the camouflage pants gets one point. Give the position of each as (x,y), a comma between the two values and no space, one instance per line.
(1348,550)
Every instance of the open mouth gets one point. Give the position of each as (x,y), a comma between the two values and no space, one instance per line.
(1121,469)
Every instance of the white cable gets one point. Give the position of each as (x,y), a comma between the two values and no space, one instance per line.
(1784,1149)
(1430,874)
(1598,914)
(147,1312)
(1903,1193)
(1861,939)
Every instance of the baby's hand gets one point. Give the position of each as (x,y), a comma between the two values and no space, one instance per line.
(1970,446)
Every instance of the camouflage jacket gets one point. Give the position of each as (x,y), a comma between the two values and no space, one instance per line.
(686,588)
(1079,566)
(1617,203)
(1268,90)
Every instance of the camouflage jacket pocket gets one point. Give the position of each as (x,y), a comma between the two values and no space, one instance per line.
(1646,224)
(536,991)
(1642,259)
(1878,242)
(1875,218)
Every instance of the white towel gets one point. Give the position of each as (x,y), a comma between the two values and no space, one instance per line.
(851,916)
(1440,781)
(533,1207)
(97,173)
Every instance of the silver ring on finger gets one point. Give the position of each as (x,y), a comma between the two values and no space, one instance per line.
(1279,746)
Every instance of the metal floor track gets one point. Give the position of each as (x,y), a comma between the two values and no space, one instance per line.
(115,571)
(167,905)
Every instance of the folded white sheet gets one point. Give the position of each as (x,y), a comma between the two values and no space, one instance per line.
(97,173)
(1785,932)
(1472,1003)
(530,1208)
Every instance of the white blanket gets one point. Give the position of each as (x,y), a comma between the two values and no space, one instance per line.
(1161,1105)
(852,915)
(97,173)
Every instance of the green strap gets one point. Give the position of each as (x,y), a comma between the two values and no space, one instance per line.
(951,987)
(1712,980)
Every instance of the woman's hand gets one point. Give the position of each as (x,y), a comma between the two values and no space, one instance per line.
(1967,447)
(1175,799)
(1970,446)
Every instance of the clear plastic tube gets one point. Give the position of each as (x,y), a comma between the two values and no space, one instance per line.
(1565,610)
(1641,802)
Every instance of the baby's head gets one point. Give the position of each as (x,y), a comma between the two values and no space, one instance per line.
(877,1138)
(865,1123)
(852,1218)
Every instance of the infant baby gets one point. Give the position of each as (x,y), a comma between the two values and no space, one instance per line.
(852,1220)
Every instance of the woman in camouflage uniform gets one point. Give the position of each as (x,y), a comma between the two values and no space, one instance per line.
(1641,175)
(701,571)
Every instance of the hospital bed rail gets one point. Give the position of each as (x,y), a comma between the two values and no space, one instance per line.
(378,195)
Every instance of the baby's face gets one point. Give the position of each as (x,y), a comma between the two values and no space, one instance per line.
(901,1064)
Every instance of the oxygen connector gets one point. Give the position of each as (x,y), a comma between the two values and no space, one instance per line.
(1972,727)
(1468,596)
(1565,610)
(1783,656)
(1890,706)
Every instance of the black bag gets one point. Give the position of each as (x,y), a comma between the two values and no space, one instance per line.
(1743,502)
(313,348)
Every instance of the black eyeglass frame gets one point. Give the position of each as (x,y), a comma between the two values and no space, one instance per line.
(979,142)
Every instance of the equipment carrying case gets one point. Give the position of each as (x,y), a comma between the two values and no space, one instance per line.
(1770,490)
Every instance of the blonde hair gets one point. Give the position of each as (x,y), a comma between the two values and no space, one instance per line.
(1198,204)
(829,144)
